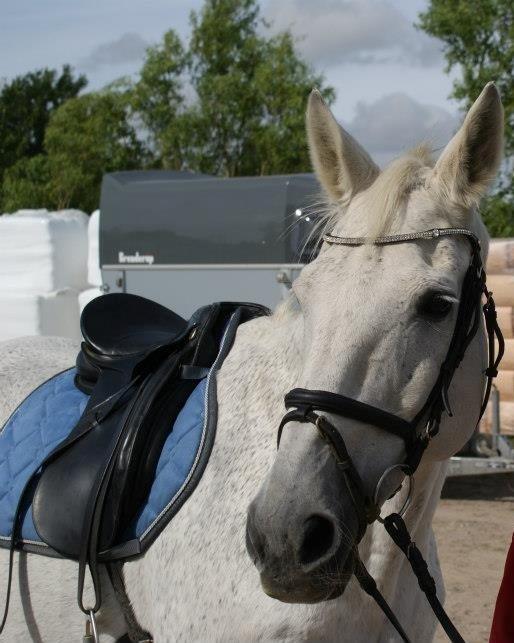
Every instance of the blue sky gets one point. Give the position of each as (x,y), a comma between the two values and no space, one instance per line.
(391,86)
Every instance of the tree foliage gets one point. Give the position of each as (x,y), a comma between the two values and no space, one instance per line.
(230,103)
(26,104)
(157,97)
(26,184)
(86,136)
(478,39)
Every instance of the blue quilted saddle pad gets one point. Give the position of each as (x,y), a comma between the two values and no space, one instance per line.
(49,414)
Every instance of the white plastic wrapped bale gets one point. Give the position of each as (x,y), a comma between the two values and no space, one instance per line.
(94,274)
(54,313)
(43,252)
(88,295)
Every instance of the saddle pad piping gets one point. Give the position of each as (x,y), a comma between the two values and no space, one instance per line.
(224,348)
(25,541)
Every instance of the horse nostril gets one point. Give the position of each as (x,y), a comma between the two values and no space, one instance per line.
(318,539)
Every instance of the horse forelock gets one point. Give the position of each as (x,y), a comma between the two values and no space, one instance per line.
(381,206)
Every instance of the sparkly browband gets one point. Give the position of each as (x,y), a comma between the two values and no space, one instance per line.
(398,238)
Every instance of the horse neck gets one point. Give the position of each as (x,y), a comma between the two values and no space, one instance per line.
(260,369)
(263,364)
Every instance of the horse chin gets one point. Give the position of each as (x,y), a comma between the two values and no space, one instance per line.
(304,596)
(308,590)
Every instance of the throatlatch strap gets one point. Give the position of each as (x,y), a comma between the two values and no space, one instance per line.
(397,529)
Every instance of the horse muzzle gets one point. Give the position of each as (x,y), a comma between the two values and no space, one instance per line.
(308,563)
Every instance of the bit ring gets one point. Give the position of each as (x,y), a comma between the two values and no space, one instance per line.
(406,504)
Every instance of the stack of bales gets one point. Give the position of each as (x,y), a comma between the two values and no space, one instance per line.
(43,259)
(500,280)
(94,274)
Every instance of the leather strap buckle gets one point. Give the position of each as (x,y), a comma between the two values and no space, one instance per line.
(319,421)
(431,429)
(91,635)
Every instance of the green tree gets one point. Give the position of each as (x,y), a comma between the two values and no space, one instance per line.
(230,103)
(478,38)
(26,103)
(157,97)
(25,184)
(86,137)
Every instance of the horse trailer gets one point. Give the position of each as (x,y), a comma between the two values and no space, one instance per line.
(185,240)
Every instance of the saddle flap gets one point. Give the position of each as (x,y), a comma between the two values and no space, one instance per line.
(97,463)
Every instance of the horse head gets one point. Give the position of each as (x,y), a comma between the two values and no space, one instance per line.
(375,324)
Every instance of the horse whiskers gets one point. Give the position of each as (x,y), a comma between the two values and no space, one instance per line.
(329,578)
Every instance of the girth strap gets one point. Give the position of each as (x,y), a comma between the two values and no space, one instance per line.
(135,634)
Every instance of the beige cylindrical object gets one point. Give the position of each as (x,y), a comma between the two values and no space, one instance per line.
(502,287)
(501,257)
(505,384)
(506,419)
(506,320)
(507,363)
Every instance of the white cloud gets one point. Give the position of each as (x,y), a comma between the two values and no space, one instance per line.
(331,32)
(396,122)
(130,47)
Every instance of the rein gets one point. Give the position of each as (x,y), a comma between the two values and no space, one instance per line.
(305,406)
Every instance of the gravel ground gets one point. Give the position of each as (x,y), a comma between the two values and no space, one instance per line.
(474,525)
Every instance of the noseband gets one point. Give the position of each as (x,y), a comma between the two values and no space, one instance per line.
(416,434)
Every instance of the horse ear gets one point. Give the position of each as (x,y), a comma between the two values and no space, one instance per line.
(471,159)
(342,166)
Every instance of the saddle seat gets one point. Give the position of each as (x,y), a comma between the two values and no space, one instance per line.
(123,324)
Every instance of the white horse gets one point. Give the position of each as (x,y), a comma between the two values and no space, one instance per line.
(372,323)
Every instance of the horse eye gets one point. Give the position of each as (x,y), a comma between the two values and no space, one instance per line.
(435,306)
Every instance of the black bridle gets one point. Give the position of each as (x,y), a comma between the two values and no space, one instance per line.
(306,406)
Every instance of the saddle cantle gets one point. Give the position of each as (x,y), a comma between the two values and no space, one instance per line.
(122,324)
(139,363)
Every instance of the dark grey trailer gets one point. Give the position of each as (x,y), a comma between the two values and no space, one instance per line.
(187,239)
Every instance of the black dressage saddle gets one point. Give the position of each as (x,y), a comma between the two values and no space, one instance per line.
(139,362)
